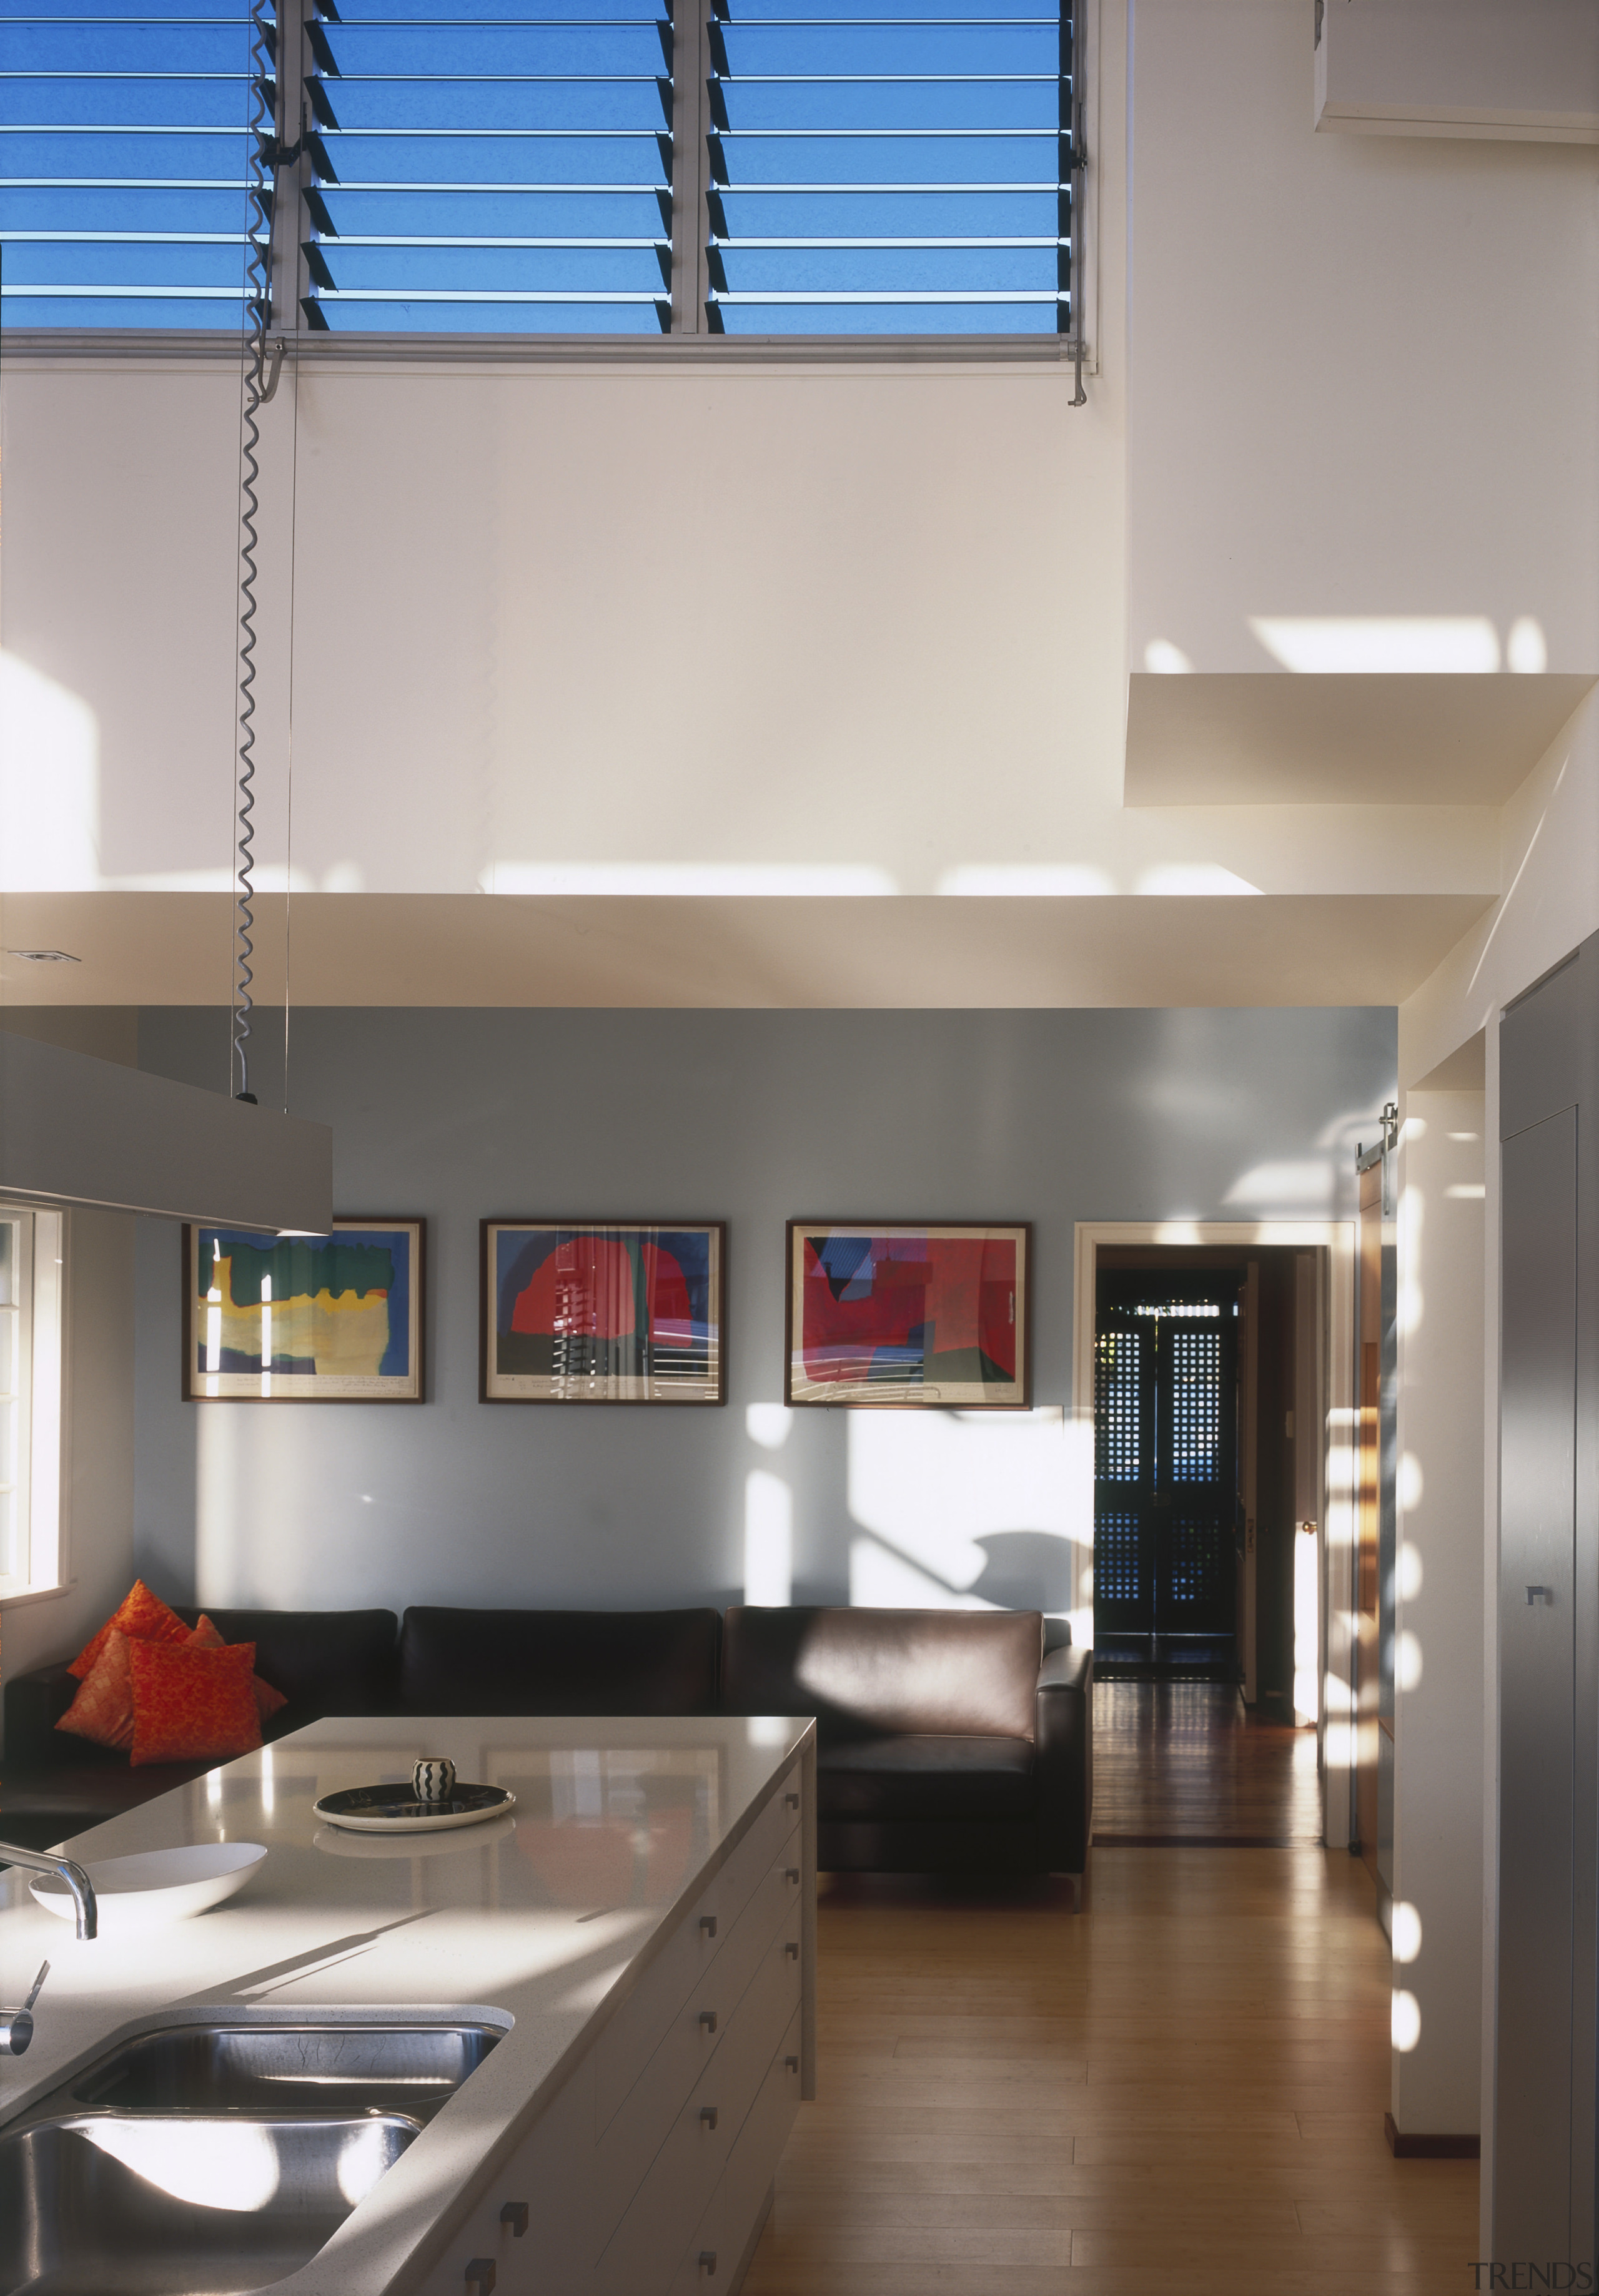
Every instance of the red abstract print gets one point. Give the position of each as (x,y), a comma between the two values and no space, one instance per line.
(874,1306)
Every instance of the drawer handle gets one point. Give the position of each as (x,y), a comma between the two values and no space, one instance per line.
(707,1923)
(707,2262)
(792,1950)
(791,1873)
(707,2018)
(707,2114)
(515,2214)
(481,2275)
(791,1801)
(791,2064)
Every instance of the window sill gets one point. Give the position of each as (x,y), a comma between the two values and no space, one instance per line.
(26,1594)
(356,351)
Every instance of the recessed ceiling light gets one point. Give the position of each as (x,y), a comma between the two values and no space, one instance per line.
(44,956)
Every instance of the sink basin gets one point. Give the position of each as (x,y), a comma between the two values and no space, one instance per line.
(161,2203)
(408,2069)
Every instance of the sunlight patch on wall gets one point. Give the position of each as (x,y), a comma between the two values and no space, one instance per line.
(1269,1185)
(821,880)
(769,1424)
(768,1540)
(1068,881)
(1379,645)
(49,784)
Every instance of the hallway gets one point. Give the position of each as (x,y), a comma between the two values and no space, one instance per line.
(1182,2086)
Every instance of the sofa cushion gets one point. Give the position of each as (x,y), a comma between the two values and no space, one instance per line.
(194,1705)
(870,1672)
(926,1776)
(458,1661)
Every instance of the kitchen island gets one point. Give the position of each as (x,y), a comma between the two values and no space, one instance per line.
(641,1932)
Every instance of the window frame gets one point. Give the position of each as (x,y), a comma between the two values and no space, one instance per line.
(690,339)
(41,1403)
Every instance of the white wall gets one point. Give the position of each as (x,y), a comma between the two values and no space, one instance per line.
(874,619)
(1438,1618)
(1362,371)
(755,1117)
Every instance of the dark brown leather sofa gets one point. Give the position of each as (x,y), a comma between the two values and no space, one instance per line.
(947,1740)
(558,1661)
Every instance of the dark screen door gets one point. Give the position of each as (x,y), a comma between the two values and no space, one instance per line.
(1166,1463)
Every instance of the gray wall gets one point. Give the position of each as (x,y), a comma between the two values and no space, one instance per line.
(754,1118)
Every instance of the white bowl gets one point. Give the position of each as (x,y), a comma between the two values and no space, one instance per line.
(157,1886)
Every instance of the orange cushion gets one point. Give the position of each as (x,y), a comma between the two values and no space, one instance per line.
(192,1705)
(207,1636)
(103,1710)
(143,1617)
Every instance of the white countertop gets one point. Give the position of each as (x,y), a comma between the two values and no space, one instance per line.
(544,1918)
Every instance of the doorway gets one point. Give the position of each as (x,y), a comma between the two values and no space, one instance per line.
(1167,1522)
(1298,1566)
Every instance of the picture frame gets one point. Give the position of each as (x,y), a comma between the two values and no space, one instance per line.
(334,1319)
(908,1316)
(602,1311)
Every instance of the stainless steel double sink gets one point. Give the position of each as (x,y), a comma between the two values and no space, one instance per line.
(215,2158)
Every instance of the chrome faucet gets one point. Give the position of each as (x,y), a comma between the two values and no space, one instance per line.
(16,2025)
(51,1861)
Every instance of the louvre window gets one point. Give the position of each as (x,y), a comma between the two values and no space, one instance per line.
(491,169)
(124,152)
(772,167)
(900,166)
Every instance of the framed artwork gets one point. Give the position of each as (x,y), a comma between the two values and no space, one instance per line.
(935,1316)
(618,1311)
(334,1319)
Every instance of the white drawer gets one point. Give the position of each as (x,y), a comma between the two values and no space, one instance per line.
(692,2039)
(647,2244)
(631,2038)
(726,2229)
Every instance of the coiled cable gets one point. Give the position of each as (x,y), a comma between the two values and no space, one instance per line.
(258,306)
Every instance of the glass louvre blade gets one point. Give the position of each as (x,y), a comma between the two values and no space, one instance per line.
(501,170)
(890,166)
(123,163)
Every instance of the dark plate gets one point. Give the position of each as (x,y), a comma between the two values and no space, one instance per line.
(391,1810)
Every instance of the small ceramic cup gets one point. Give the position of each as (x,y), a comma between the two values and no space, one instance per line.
(433,1779)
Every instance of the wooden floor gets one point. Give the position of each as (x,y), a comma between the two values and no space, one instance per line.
(1182,2087)
(1185,1760)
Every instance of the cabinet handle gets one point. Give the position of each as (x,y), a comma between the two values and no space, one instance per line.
(515,2214)
(481,2275)
(791,1873)
(707,1923)
(792,1950)
(707,2018)
(791,2064)
(707,2114)
(707,2262)
(791,1801)
(1540,1594)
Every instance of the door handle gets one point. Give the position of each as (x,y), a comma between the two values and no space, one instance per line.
(1545,1594)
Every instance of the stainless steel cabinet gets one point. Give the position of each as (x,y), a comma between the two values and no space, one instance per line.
(1548,1943)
